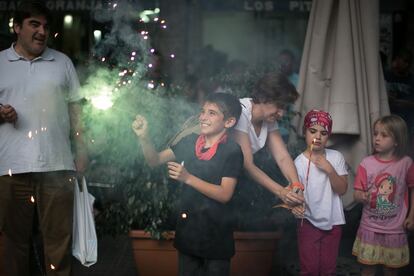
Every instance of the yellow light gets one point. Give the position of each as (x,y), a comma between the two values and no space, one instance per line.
(102,102)
(68,21)
(97,35)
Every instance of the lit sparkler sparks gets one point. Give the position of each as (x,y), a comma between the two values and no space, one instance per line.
(104,100)
(151,85)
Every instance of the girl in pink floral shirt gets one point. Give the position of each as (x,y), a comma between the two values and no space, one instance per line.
(382,184)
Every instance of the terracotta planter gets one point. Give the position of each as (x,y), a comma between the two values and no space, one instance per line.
(153,257)
(254,254)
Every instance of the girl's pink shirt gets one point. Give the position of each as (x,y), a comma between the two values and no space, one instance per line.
(385,216)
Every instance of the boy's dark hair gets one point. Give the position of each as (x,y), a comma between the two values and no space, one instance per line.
(28,9)
(227,103)
(397,128)
(275,88)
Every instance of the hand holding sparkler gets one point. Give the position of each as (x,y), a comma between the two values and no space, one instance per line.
(140,126)
(298,211)
(177,171)
(292,196)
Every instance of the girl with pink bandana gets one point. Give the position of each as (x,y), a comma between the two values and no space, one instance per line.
(381,185)
(324,175)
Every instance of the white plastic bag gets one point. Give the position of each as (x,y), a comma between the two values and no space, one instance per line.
(84,240)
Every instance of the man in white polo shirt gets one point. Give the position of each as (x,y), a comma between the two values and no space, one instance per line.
(39,114)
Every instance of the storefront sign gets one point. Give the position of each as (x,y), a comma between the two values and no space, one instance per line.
(257,5)
(293,6)
(59,5)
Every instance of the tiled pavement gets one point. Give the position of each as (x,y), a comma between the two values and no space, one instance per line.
(115,255)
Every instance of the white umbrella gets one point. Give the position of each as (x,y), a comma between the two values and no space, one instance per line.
(341,73)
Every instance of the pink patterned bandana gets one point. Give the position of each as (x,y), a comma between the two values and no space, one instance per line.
(318,117)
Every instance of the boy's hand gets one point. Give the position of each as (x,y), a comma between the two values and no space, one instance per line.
(177,171)
(140,126)
(361,196)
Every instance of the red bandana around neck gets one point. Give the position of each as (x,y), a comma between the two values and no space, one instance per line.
(208,154)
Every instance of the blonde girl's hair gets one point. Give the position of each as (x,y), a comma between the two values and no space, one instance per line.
(397,128)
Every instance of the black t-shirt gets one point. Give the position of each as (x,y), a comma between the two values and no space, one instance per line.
(205,226)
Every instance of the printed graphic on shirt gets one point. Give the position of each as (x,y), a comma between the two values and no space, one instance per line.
(382,197)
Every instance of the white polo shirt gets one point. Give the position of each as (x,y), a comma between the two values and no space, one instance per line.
(245,125)
(40,91)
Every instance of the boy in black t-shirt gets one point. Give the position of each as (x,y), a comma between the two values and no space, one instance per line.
(209,165)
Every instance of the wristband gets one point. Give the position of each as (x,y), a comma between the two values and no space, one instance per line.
(295,186)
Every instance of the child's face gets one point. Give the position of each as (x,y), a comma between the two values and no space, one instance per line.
(383,141)
(211,119)
(318,134)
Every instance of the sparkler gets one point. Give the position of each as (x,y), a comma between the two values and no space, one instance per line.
(309,161)
(308,170)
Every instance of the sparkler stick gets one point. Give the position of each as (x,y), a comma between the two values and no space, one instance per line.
(309,161)
(307,171)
